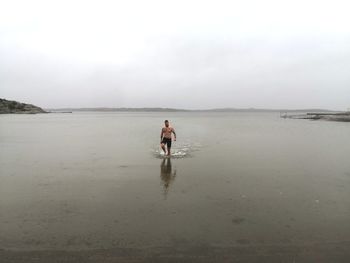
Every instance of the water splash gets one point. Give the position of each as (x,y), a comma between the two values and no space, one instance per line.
(179,150)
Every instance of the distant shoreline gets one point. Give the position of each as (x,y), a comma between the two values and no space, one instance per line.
(105,109)
(15,107)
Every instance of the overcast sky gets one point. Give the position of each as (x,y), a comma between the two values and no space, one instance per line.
(180,54)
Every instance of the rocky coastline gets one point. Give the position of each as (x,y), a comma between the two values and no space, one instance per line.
(11,106)
(327,116)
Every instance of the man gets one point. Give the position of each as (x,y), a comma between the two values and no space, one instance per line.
(165,137)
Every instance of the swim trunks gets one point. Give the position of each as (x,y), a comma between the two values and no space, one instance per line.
(167,141)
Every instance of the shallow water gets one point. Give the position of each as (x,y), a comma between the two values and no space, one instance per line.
(97,180)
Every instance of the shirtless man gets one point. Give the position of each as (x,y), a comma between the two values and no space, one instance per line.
(165,137)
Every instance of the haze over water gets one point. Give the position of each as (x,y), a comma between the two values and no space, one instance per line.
(87,181)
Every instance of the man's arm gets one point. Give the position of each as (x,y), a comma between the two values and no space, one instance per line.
(173,131)
(161,135)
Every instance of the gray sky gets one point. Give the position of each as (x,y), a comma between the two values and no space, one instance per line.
(181,54)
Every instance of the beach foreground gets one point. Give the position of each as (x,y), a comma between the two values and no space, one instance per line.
(248,254)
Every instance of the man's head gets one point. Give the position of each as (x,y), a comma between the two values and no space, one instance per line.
(166,122)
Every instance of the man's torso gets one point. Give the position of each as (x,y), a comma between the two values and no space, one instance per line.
(167,132)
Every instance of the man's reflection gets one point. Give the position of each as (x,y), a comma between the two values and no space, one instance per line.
(166,174)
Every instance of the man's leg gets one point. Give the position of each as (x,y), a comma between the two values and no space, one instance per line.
(163,147)
(169,152)
(168,144)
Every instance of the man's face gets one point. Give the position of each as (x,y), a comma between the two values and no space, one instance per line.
(166,124)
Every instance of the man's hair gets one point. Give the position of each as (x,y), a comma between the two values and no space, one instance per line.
(166,121)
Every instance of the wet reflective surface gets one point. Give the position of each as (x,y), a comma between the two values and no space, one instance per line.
(239,184)
(166,174)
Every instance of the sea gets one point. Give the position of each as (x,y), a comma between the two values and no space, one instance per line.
(86,181)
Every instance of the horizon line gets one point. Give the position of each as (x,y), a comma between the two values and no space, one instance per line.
(184,109)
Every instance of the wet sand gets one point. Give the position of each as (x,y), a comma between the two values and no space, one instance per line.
(81,188)
(246,254)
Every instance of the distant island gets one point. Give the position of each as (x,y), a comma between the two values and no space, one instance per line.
(327,116)
(11,106)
